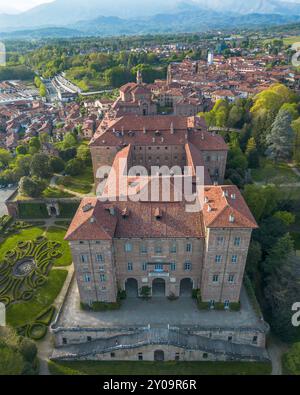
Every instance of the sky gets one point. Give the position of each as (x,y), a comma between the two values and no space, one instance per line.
(23,5)
(20,5)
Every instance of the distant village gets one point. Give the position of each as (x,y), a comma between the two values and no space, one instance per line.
(190,87)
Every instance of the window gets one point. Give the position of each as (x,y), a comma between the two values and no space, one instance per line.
(99,258)
(226,304)
(159,267)
(144,266)
(187,266)
(102,268)
(64,340)
(84,258)
(205,355)
(87,278)
(112,354)
(189,247)
(237,241)
(89,339)
(144,249)
(234,259)
(129,266)
(81,242)
(158,249)
(254,340)
(128,247)
(177,356)
(173,266)
(102,278)
(98,242)
(218,258)
(230,339)
(173,248)
(215,278)
(231,278)
(220,240)
(140,356)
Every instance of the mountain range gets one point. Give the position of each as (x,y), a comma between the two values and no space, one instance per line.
(100,17)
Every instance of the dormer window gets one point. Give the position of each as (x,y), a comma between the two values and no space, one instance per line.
(231,218)
(158,213)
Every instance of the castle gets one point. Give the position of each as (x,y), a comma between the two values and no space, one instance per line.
(157,248)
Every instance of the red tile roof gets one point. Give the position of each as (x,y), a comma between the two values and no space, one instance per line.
(225,207)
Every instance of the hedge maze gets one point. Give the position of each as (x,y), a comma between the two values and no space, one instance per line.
(24,270)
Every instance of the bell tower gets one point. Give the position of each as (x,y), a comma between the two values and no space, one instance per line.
(139,77)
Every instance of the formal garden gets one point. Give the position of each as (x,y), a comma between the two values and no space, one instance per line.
(32,274)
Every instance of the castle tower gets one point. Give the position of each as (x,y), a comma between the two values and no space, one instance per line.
(139,77)
(210,57)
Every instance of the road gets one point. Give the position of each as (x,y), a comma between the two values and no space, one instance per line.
(4,194)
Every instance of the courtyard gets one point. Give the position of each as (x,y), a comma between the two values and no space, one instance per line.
(157,311)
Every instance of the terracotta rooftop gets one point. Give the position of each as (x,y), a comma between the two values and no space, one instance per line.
(225,207)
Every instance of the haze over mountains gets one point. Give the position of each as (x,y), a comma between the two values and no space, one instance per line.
(78,17)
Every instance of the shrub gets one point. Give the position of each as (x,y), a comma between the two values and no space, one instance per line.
(28,349)
(145,292)
(235,306)
(195,293)
(122,294)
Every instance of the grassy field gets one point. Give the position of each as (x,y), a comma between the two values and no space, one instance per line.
(82,183)
(291,40)
(58,234)
(56,193)
(24,312)
(159,368)
(274,173)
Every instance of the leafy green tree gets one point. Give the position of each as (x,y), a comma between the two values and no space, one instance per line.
(286,217)
(281,138)
(40,166)
(84,154)
(5,158)
(34,145)
(23,164)
(21,150)
(253,259)
(292,359)
(69,140)
(32,186)
(57,165)
(74,167)
(11,361)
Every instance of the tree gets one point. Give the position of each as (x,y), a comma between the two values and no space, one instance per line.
(40,166)
(21,150)
(286,217)
(57,165)
(253,259)
(74,167)
(28,349)
(5,158)
(296,129)
(23,164)
(32,186)
(278,253)
(68,154)
(291,359)
(69,140)
(11,361)
(84,154)
(281,138)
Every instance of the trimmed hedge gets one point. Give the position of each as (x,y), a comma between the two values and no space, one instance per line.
(252,297)
(32,210)
(68,210)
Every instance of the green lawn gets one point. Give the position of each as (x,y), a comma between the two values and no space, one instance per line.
(27,234)
(159,368)
(82,183)
(56,193)
(58,234)
(271,173)
(25,312)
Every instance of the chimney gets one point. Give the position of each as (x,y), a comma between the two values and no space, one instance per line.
(172,128)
